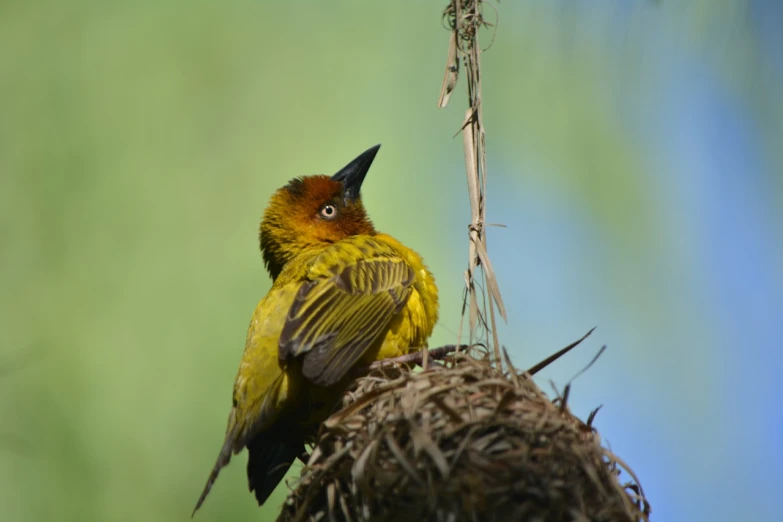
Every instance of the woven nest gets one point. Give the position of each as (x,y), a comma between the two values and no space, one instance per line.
(464,441)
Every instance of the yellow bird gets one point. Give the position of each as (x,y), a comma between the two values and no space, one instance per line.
(343,295)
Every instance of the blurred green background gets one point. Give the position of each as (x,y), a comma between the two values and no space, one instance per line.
(634,154)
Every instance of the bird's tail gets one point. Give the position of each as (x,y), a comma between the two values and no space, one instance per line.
(223,458)
(271,453)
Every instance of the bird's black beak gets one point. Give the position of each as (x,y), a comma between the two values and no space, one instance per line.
(352,175)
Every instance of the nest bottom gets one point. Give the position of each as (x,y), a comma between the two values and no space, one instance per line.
(466,442)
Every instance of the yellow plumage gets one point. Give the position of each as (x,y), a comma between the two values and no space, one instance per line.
(343,296)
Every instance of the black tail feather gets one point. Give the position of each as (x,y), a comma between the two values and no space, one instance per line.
(270,455)
(223,459)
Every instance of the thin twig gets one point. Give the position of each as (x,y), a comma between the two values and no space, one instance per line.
(555,356)
(464,18)
(591,363)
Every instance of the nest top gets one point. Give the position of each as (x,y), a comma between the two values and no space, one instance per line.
(464,441)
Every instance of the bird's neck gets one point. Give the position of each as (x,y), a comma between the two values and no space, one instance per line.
(278,255)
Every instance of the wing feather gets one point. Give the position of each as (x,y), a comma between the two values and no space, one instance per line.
(342,311)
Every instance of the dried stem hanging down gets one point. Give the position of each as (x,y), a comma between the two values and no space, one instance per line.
(464,18)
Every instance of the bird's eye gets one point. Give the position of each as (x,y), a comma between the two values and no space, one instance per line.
(329,212)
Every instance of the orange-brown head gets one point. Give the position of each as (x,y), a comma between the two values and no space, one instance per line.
(313,211)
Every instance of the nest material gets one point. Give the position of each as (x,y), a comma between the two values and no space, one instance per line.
(464,441)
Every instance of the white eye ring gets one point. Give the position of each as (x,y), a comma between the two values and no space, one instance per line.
(329,212)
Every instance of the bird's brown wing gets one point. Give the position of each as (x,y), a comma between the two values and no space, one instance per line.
(342,311)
